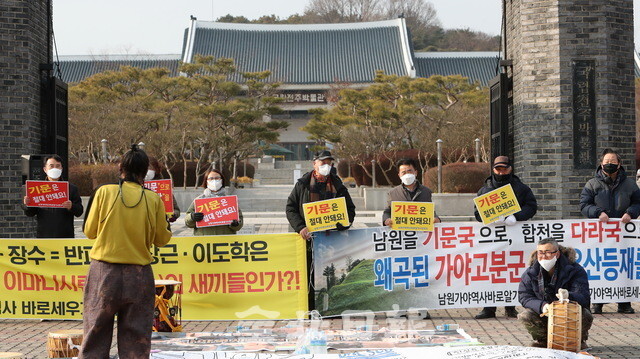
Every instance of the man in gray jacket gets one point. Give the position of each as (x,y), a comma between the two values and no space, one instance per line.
(410,190)
(611,194)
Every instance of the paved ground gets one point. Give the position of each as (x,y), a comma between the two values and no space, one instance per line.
(612,336)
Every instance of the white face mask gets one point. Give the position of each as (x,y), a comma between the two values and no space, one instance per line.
(150,175)
(548,264)
(54,173)
(408,179)
(324,170)
(214,185)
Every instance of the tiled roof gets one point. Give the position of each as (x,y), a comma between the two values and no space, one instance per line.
(77,68)
(477,66)
(307,54)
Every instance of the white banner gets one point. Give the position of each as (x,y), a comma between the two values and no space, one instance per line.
(465,264)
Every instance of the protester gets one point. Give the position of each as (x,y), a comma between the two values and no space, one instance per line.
(502,175)
(320,184)
(125,219)
(155,173)
(410,190)
(213,187)
(611,194)
(55,222)
(552,269)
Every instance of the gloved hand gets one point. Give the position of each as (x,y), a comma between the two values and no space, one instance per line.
(340,227)
(563,295)
(499,221)
(545,308)
(197,216)
(510,220)
(234,223)
(173,218)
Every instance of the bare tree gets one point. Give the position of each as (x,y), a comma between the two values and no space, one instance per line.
(333,11)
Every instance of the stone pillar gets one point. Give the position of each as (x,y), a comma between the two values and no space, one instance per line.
(24,46)
(573,94)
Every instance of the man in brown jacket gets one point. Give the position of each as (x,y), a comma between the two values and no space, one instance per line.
(410,190)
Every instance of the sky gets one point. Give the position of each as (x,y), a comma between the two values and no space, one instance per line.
(85,27)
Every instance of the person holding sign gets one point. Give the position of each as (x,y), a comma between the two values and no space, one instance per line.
(125,219)
(55,222)
(611,194)
(155,173)
(553,269)
(410,190)
(320,184)
(213,187)
(502,175)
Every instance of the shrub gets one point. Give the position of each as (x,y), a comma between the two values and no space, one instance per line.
(80,175)
(458,177)
(104,173)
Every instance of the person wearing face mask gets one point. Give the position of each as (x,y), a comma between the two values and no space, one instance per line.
(320,184)
(213,187)
(55,222)
(155,173)
(553,270)
(502,175)
(611,194)
(410,190)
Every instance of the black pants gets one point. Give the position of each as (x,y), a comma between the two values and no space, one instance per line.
(127,290)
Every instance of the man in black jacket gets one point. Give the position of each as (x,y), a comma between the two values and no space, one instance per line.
(553,273)
(502,175)
(611,194)
(55,222)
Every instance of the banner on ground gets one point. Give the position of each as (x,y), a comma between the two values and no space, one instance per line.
(223,277)
(465,264)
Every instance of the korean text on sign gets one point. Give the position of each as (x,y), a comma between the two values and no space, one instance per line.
(412,216)
(323,215)
(51,194)
(164,189)
(497,204)
(217,211)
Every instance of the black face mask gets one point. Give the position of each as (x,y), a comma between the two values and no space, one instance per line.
(502,178)
(610,168)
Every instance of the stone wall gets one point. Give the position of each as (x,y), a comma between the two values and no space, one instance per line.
(23,47)
(544,38)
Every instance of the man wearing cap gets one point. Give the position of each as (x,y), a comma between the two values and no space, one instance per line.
(55,222)
(611,194)
(502,175)
(320,184)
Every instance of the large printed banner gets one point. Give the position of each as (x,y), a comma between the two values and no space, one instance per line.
(223,277)
(465,264)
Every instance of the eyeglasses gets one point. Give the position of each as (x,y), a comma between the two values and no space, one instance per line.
(547,253)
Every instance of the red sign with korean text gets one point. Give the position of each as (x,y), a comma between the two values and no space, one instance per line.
(49,194)
(217,211)
(164,189)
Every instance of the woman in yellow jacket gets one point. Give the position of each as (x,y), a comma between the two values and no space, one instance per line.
(125,219)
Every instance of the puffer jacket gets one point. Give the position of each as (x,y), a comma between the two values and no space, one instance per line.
(615,199)
(526,199)
(570,276)
(217,230)
(301,195)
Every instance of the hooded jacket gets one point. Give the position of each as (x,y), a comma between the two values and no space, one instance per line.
(526,199)
(614,198)
(301,195)
(568,275)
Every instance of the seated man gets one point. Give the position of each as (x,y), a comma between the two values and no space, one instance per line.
(552,268)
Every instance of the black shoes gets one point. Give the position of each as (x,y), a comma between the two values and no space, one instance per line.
(486,314)
(625,308)
(596,309)
(510,312)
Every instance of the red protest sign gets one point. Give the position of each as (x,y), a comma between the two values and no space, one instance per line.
(164,189)
(49,194)
(217,211)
